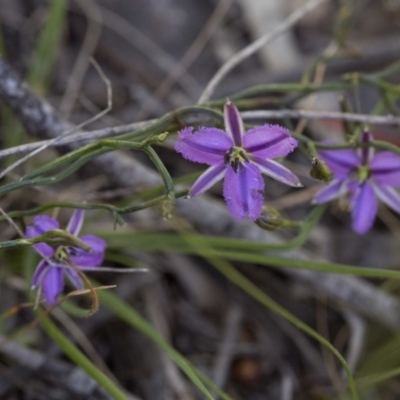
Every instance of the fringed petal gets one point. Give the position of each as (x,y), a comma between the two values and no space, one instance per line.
(243,192)
(206,146)
(269,141)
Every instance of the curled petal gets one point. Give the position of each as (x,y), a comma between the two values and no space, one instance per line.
(53,284)
(207,179)
(40,271)
(269,141)
(206,146)
(74,277)
(42,224)
(277,171)
(365,207)
(233,123)
(243,192)
(76,222)
(89,259)
(341,162)
(335,189)
(385,168)
(389,196)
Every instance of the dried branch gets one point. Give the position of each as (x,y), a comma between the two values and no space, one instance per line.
(362,118)
(72,130)
(74,379)
(92,37)
(75,138)
(146,46)
(226,351)
(40,120)
(255,46)
(89,136)
(190,56)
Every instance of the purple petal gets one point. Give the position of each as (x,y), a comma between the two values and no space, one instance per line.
(277,171)
(206,146)
(335,189)
(389,196)
(44,249)
(269,141)
(42,224)
(340,162)
(74,277)
(243,192)
(365,207)
(207,179)
(39,273)
(385,168)
(233,123)
(76,222)
(93,259)
(53,284)
(45,223)
(366,153)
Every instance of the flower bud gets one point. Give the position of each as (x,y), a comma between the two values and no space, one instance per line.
(319,170)
(270,220)
(167,208)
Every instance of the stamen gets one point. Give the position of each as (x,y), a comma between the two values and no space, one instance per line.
(228,155)
(62,253)
(243,154)
(363,173)
(236,156)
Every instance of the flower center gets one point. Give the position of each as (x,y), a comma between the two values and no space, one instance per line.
(363,173)
(61,253)
(235,156)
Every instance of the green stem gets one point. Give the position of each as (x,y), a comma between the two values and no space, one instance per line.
(133,318)
(86,206)
(253,291)
(169,184)
(81,360)
(379,377)
(238,279)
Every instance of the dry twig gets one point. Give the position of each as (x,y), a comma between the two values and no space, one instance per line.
(81,65)
(89,136)
(255,46)
(362,118)
(191,54)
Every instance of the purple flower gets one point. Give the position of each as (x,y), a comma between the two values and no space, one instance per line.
(240,157)
(365,177)
(56,263)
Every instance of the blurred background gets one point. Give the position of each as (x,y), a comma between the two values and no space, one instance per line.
(158,56)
